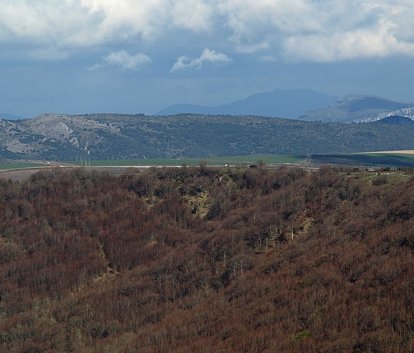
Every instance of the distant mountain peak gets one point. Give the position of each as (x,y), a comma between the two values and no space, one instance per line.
(290,103)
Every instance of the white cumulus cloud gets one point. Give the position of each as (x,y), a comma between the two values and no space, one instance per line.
(309,30)
(194,15)
(207,56)
(97,22)
(124,60)
(322,31)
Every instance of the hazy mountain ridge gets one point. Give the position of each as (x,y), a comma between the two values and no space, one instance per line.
(7,116)
(277,103)
(303,104)
(114,136)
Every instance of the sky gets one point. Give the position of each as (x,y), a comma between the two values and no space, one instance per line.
(140,56)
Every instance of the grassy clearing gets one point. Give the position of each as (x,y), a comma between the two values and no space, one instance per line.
(233,160)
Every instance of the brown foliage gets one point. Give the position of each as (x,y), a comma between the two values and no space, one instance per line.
(199,259)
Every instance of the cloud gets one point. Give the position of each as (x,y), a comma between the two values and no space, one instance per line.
(207,56)
(321,31)
(194,15)
(124,60)
(252,48)
(346,46)
(307,30)
(80,23)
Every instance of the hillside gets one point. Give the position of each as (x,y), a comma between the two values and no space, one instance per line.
(396,120)
(112,136)
(204,260)
(277,103)
(353,108)
(407,112)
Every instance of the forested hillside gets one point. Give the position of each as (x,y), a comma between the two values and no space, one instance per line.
(208,260)
(115,136)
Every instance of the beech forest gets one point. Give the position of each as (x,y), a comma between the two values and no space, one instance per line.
(211,260)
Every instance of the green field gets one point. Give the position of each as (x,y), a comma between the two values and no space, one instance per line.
(403,156)
(367,159)
(19,165)
(386,159)
(220,161)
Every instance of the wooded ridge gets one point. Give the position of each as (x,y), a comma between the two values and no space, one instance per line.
(111,136)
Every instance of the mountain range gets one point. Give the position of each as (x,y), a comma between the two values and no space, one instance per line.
(111,136)
(303,104)
(277,103)
(300,104)
(237,128)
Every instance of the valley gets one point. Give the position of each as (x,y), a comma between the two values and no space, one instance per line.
(200,176)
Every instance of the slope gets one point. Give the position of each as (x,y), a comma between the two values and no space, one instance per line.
(207,260)
(354,108)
